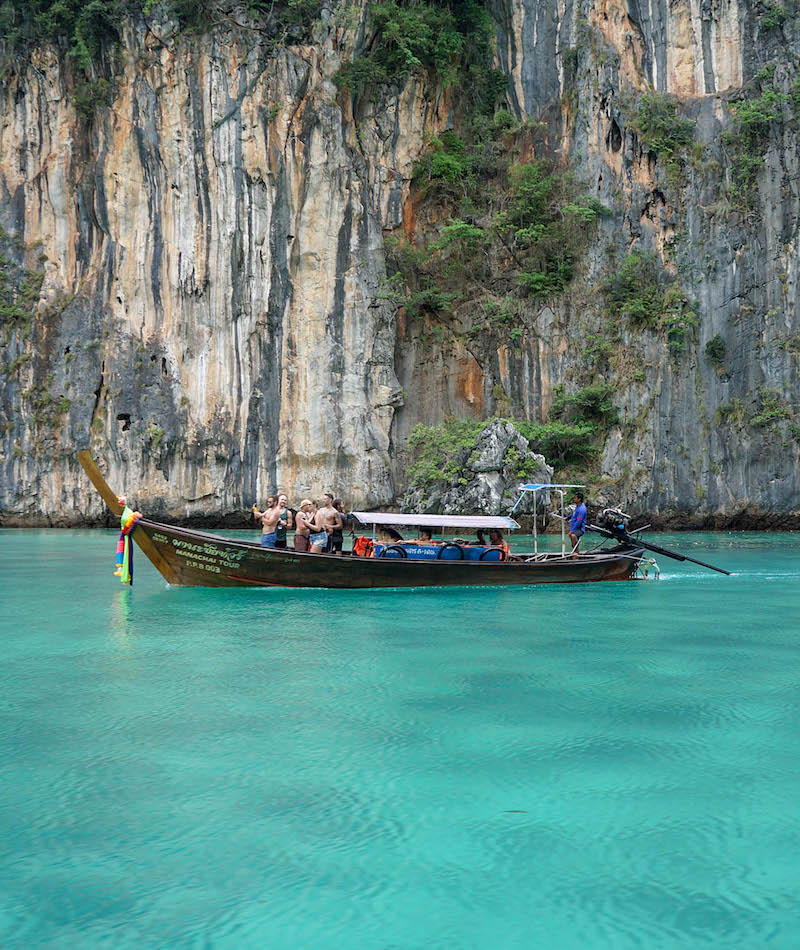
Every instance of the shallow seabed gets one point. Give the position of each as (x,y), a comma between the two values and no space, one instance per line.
(595,767)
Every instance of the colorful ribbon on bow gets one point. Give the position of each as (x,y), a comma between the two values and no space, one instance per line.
(127,523)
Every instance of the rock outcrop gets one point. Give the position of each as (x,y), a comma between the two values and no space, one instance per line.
(488,479)
(194,276)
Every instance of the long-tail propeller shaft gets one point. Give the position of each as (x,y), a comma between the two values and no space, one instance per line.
(619,533)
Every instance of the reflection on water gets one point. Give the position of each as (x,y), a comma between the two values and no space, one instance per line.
(121,614)
(579,766)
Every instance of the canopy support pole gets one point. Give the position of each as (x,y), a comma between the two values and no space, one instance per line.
(563,528)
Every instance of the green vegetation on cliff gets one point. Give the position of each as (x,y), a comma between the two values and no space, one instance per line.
(757,118)
(517,230)
(83,28)
(408,37)
(649,297)
(769,408)
(772,408)
(546,225)
(662,131)
(420,39)
(20,288)
(592,404)
(715,350)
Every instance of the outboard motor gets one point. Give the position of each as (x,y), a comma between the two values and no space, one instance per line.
(613,522)
(614,519)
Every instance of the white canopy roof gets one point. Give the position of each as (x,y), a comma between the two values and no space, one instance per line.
(435,521)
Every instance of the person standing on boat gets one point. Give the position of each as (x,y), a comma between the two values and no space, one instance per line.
(302,528)
(326,521)
(269,518)
(336,537)
(284,521)
(577,523)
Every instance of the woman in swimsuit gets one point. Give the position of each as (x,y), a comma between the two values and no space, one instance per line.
(497,540)
(319,536)
(303,526)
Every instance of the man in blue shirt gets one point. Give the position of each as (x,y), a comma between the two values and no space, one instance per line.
(577,523)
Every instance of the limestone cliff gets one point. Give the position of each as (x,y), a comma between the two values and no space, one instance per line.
(192,272)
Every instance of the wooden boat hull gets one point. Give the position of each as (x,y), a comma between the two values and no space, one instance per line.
(199,559)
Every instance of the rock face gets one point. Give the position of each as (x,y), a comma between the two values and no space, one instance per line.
(200,267)
(211,250)
(488,481)
(679,454)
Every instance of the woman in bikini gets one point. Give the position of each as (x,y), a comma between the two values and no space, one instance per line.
(497,540)
(303,522)
(318,538)
(322,526)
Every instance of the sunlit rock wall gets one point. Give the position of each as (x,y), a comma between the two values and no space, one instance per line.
(212,252)
(211,319)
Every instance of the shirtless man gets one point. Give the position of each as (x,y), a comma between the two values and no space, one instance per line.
(269,518)
(327,520)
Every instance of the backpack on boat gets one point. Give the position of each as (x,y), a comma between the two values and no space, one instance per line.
(362,547)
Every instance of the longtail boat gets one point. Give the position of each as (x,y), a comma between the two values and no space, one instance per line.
(187,557)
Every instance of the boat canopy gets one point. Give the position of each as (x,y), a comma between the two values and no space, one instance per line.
(548,485)
(435,521)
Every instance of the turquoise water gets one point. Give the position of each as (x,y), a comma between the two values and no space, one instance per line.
(572,767)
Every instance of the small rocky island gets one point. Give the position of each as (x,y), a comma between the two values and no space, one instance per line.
(480,478)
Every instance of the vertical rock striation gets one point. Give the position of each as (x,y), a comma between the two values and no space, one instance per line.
(192,278)
(212,250)
(685,450)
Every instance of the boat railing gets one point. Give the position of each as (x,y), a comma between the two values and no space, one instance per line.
(546,489)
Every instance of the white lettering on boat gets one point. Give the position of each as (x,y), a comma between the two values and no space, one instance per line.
(207,556)
(203,567)
(208,549)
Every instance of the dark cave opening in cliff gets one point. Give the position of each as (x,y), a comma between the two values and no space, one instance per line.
(614,140)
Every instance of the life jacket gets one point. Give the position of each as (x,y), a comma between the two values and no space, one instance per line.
(363,547)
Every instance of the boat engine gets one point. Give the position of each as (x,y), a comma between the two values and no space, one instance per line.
(613,523)
(614,519)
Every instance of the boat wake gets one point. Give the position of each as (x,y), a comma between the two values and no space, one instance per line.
(701,575)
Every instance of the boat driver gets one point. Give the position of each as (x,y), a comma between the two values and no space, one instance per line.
(577,523)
